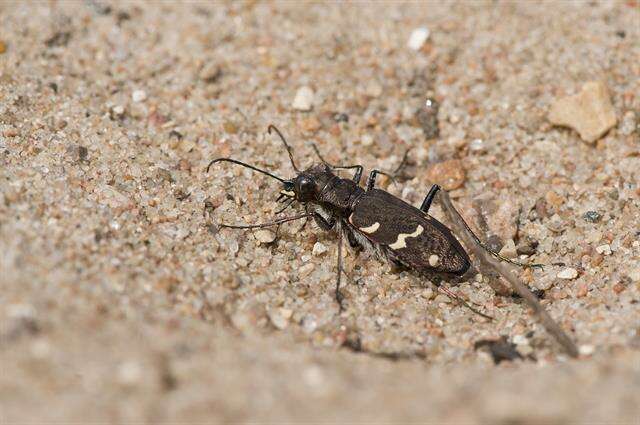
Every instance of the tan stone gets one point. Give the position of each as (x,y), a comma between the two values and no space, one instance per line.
(589,112)
(448,174)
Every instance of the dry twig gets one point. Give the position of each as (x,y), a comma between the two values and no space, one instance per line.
(547,321)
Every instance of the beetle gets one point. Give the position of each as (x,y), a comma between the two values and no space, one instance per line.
(370,218)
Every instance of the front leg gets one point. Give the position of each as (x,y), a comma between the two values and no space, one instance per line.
(323,223)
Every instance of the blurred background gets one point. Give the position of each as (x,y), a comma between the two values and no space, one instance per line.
(122,301)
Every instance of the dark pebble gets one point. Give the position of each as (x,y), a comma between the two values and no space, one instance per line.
(592,216)
(527,246)
(427,117)
(500,349)
(341,117)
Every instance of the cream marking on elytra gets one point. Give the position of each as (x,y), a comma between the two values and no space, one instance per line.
(288,193)
(371,228)
(434,260)
(401,243)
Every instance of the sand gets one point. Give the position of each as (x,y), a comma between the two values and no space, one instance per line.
(122,301)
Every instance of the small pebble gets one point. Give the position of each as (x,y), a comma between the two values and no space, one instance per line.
(417,38)
(318,249)
(286,313)
(525,349)
(520,340)
(10,132)
(427,117)
(303,100)
(117,110)
(366,140)
(586,350)
(628,124)
(604,249)
(306,270)
(309,323)
(592,216)
(210,73)
(40,349)
(3,47)
(554,199)
(139,96)
(427,293)
(583,290)
(449,174)
(78,152)
(278,319)
(265,236)
(555,224)
(619,287)
(509,249)
(311,124)
(129,373)
(568,273)
(230,127)
(477,146)
(589,112)
(527,246)
(441,299)
(373,89)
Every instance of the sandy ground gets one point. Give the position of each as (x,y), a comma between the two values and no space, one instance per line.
(121,300)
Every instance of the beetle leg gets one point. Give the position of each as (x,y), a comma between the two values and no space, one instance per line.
(339,296)
(322,223)
(426,204)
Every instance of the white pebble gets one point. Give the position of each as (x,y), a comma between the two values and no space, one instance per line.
(520,340)
(129,373)
(418,37)
(604,249)
(366,140)
(139,96)
(427,293)
(304,99)
(21,311)
(265,236)
(374,89)
(509,249)
(309,323)
(525,349)
(278,320)
(586,350)
(568,273)
(319,249)
(286,313)
(118,110)
(40,349)
(306,269)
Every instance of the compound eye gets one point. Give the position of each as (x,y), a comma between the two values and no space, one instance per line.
(306,186)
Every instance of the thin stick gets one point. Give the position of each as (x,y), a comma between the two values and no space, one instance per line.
(263,225)
(462,302)
(547,321)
